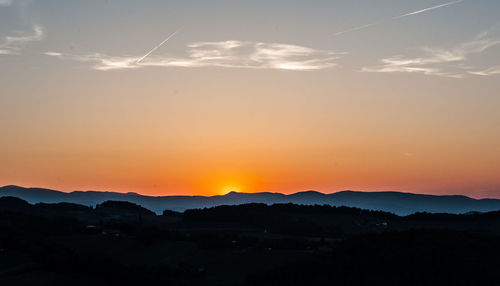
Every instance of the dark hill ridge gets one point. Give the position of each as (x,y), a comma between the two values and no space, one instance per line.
(395,202)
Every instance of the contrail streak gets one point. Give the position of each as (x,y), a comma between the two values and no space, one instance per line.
(357,28)
(157,47)
(428,9)
(397,17)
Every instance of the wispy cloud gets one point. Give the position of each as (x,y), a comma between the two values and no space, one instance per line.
(397,17)
(12,45)
(486,72)
(229,54)
(440,62)
(101,61)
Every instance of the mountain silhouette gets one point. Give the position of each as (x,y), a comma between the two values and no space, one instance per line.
(394,202)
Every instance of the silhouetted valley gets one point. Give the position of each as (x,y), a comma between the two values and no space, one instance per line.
(122,243)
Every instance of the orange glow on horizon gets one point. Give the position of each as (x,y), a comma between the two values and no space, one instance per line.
(229,189)
(268,138)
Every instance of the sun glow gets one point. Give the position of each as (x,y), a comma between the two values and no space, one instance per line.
(228,189)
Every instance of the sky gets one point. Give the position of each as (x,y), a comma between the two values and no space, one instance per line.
(206,97)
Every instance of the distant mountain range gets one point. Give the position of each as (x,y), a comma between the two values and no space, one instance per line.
(395,202)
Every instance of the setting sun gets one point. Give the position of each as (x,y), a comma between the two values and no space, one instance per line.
(229,189)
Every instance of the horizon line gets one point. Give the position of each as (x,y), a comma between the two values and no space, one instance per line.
(260,192)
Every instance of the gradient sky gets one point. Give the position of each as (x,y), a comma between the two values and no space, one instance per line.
(279,96)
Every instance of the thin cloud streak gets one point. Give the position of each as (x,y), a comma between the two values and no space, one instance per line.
(438,62)
(12,45)
(101,61)
(357,28)
(397,17)
(428,9)
(227,54)
(487,72)
(157,47)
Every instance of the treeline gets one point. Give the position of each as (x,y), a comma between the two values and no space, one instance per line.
(291,219)
(339,222)
(320,221)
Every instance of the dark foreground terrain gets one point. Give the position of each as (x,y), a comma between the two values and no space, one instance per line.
(119,243)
